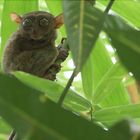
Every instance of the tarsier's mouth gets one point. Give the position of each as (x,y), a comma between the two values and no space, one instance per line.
(36,37)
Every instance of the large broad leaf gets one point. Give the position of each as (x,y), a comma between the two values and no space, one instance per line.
(117,96)
(53,90)
(18,6)
(124,130)
(103,78)
(123,8)
(95,68)
(5,129)
(38,119)
(101,75)
(108,82)
(83,24)
(117,112)
(126,41)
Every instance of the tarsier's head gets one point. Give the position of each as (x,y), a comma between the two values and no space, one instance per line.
(38,25)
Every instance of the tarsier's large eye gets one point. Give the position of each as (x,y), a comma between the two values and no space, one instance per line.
(44,22)
(27,22)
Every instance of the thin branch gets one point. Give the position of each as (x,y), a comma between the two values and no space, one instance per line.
(12,135)
(64,93)
(91,114)
(109,6)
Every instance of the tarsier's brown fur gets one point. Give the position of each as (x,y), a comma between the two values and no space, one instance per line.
(32,47)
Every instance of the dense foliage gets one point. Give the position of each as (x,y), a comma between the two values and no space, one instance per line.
(104,46)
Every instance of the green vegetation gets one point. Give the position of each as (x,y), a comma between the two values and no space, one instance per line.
(103,102)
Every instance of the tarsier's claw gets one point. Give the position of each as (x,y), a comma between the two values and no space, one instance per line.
(56,67)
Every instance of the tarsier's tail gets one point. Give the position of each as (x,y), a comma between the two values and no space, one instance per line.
(56,67)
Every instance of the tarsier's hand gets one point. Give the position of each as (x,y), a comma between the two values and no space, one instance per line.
(63,50)
(56,67)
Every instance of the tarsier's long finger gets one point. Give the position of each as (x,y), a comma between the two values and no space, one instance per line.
(56,67)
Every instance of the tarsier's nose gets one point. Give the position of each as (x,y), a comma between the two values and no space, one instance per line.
(35,35)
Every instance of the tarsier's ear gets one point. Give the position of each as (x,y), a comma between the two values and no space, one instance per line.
(16,18)
(59,21)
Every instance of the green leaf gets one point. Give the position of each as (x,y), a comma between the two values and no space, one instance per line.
(117,112)
(83,24)
(108,82)
(56,10)
(95,68)
(126,41)
(18,6)
(53,91)
(118,96)
(38,120)
(35,119)
(122,130)
(5,129)
(130,5)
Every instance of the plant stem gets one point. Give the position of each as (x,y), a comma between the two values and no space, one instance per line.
(12,135)
(109,6)
(91,115)
(64,93)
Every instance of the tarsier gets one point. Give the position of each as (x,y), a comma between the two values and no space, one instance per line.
(32,47)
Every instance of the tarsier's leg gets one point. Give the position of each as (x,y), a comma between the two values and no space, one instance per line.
(55,68)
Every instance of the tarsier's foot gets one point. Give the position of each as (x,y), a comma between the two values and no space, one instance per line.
(52,71)
(56,67)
